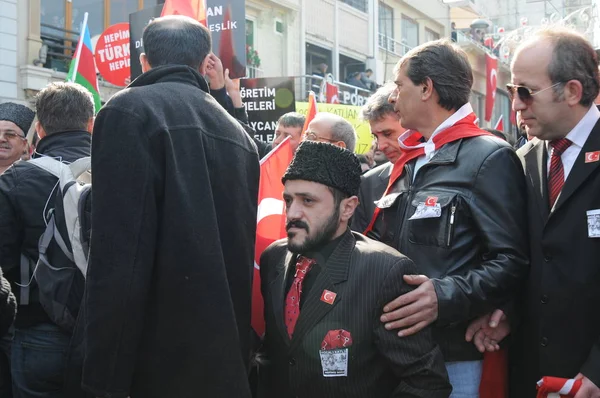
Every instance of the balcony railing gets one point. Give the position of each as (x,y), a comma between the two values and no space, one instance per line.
(465,38)
(393,46)
(61,44)
(253,72)
(347,93)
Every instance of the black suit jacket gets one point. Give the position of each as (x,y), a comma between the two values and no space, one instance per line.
(365,275)
(560,333)
(372,187)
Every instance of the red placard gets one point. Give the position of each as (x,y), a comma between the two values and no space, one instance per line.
(112,54)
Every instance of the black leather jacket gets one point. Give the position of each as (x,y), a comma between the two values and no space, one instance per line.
(475,245)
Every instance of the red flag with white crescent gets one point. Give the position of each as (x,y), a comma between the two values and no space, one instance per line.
(332,93)
(191,8)
(270,220)
(491,68)
(311,112)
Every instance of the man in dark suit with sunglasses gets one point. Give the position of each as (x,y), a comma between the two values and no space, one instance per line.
(555,81)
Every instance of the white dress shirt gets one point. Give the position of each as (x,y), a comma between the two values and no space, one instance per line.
(578,136)
(430,150)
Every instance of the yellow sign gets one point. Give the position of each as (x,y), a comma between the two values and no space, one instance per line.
(350,113)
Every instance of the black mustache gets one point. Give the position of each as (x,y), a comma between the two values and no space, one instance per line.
(296,224)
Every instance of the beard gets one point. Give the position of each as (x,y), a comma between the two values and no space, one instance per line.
(320,237)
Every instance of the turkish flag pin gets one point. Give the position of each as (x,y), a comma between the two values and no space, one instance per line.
(431,201)
(328,296)
(591,157)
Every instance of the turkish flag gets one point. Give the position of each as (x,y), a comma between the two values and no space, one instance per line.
(270,220)
(191,8)
(332,94)
(500,124)
(491,73)
(311,112)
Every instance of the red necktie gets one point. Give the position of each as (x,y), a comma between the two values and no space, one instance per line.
(292,301)
(556,174)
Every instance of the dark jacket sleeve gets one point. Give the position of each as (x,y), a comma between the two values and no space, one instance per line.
(241,114)
(10,227)
(499,211)
(416,360)
(8,305)
(224,100)
(360,219)
(263,147)
(122,250)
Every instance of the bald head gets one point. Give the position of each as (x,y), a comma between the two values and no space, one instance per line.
(332,128)
(176,40)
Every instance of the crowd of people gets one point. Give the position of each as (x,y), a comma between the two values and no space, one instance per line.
(401,276)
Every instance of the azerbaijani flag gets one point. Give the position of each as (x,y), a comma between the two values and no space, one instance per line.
(83,66)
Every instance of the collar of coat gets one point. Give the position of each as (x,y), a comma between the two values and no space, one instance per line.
(171,73)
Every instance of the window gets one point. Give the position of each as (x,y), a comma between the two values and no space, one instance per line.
(360,5)
(430,35)
(95,10)
(249,33)
(386,27)
(120,10)
(410,33)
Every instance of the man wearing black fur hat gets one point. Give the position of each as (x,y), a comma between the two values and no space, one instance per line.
(15,122)
(324,287)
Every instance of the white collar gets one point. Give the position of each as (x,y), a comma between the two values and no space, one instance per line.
(581,131)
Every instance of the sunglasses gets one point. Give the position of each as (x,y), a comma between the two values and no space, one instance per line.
(525,93)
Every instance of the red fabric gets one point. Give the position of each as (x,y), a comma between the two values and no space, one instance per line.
(292,301)
(87,67)
(311,112)
(556,174)
(332,93)
(464,128)
(567,387)
(270,219)
(500,124)
(191,8)
(226,49)
(494,375)
(335,339)
(491,73)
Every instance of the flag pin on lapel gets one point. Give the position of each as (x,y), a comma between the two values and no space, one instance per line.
(591,157)
(328,296)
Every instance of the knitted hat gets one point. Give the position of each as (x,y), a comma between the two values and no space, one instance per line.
(326,164)
(20,115)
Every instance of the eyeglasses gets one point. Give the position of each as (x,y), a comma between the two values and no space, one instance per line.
(9,135)
(313,137)
(525,93)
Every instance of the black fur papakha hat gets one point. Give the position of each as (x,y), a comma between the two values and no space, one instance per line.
(19,114)
(326,164)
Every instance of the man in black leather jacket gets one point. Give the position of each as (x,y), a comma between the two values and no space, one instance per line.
(65,114)
(457,208)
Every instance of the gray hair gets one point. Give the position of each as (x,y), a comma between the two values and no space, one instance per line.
(446,65)
(573,58)
(378,105)
(342,130)
(64,106)
(292,119)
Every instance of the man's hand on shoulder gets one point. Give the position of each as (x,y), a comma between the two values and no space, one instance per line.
(414,310)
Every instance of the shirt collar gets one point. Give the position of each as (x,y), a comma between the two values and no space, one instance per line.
(582,130)
(460,114)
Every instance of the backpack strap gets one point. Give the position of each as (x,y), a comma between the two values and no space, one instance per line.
(62,171)
(24,286)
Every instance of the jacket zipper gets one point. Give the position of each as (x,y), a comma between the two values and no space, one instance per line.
(400,232)
(451,227)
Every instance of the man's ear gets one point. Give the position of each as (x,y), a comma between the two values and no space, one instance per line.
(203,66)
(90,125)
(347,207)
(144,62)
(40,130)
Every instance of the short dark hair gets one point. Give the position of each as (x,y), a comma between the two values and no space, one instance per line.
(176,40)
(497,133)
(378,105)
(292,119)
(573,58)
(369,70)
(446,65)
(338,196)
(64,106)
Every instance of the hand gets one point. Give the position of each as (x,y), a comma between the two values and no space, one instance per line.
(588,388)
(214,71)
(233,89)
(413,310)
(487,331)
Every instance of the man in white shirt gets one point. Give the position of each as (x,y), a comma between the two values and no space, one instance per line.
(554,83)
(455,205)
